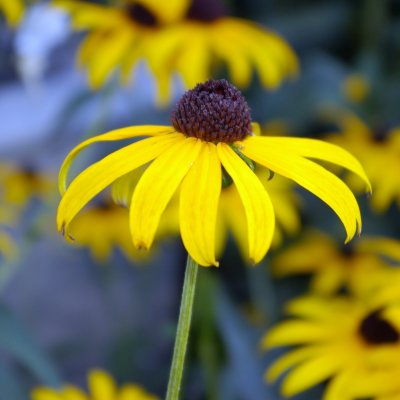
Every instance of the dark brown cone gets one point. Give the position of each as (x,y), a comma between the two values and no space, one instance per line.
(214,111)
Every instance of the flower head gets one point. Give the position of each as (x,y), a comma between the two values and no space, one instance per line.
(335,267)
(347,341)
(182,37)
(195,165)
(101,386)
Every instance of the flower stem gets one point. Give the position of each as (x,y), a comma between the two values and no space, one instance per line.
(182,333)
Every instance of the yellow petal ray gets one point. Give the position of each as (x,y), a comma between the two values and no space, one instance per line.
(257,204)
(340,387)
(73,393)
(108,55)
(118,134)
(309,175)
(380,245)
(320,150)
(13,11)
(312,372)
(283,363)
(88,46)
(102,173)
(156,187)
(101,385)
(193,61)
(42,393)
(294,332)
(173,11)
(200,192)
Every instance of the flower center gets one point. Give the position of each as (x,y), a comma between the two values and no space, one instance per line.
(206,10)
(214,111)
(375,330)
(141,15)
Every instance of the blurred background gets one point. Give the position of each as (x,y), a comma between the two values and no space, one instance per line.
(66,308)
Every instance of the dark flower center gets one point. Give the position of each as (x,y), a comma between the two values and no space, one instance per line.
(206,10)
(375,330)
(214,111)
(381,134)
(141,15)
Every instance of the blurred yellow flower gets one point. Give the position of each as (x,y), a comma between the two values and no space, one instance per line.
(101,387)
(336,267)
(18,185)
(13,11)
(211,139)
(351,344)
(356,88)
(374,150)
(184,37)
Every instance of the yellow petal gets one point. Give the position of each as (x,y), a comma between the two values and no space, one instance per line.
(156,187)
(199,198)
(311,176)
(118,134)
(293,332)
(99,175)
(43,393)
(167,12)
(101,385)
(257,204)
(108,55)
(380,245)
(134,392)
(13,11)
(283,363)
(320,150)
(311,373)
(73,393)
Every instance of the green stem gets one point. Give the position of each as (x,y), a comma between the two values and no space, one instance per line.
(182,333)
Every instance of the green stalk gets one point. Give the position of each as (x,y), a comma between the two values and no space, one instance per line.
(182,333)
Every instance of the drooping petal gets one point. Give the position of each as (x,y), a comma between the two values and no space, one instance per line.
(283,363)
(380,245)
(320,150)
(108,55)
(312,372)
(101,385)
(257,204)
(117,134)
(98,176)
(294,332)
(309,175)
(200,192)
(73,393)
(156,187)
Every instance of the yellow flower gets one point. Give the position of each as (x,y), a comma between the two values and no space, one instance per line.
(336,267)
(184,38)
(105,226)
(13,11)
(101,387)
(356,88)
(211,138)
(18,185)
(373,149)
(346,341)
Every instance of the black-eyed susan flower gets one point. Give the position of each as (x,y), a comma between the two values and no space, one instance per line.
(373,149)
(104,227)
(12,11)
(20,184)
(183,37)
(347,342)
(211,139)
(333,266)
(101,387)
